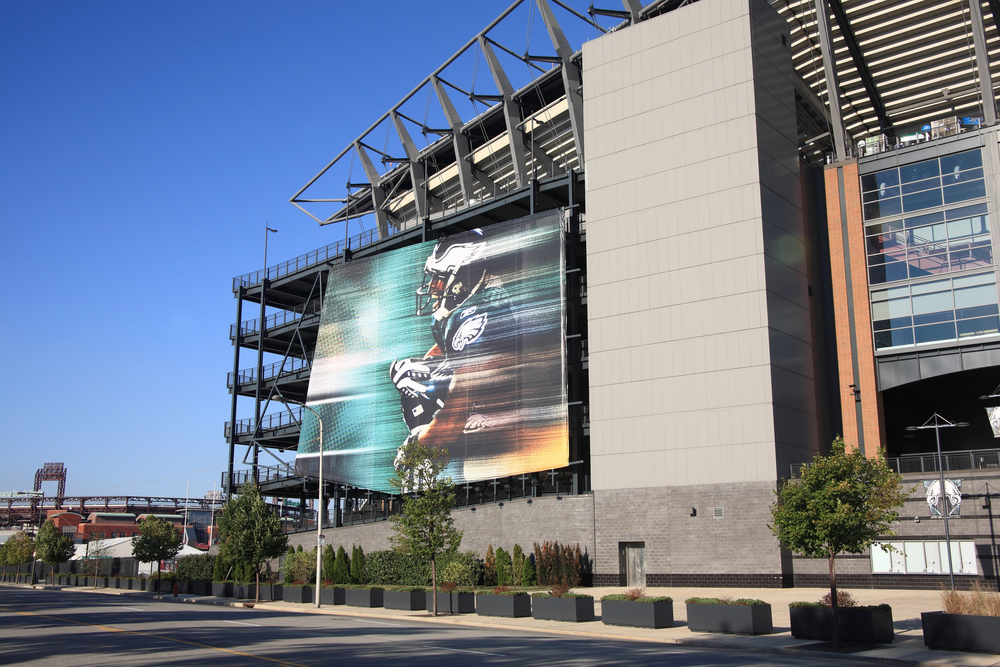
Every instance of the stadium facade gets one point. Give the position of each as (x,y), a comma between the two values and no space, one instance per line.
(773,224)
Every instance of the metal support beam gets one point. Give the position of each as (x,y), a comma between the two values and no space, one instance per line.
(459,141)
(572,79)
(378,192)
(832,84)
(859,63)
(634,8)
(418,174)
(983,64)
(240,291)
(511,113)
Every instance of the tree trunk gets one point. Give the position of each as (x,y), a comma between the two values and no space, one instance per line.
(256,599)
(434,589)
(835,638)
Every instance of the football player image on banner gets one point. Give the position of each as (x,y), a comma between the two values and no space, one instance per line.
(457,344)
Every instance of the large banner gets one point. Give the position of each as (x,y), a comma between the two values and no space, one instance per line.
(457,343)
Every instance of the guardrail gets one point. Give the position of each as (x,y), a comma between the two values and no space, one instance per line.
(973,459)
(249,327)
(267,422)
(277,369)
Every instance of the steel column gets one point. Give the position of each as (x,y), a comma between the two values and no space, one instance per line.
(418,174)
(459,141)
(511,113)
(983,64)
(832,84)
(378,192)
(240,291)
(572,79)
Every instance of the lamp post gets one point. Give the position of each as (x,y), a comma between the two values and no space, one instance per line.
(260,355)
(939,423)
(319,504)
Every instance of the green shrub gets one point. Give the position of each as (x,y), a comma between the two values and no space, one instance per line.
(329,558)
(196,567)
(490,567)
(358,566)
(464,569)
(341,573)
(742,602)
(517,562)
(528,572)
(505,573)
(579,596)
(220,569)
(625,598)
(397,568)
(558,564)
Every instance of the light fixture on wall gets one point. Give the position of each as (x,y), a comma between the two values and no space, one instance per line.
(501,505)
(694,512)
(473,509)
(916,519)
(529,501)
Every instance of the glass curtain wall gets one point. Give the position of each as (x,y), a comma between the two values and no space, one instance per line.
(930,252)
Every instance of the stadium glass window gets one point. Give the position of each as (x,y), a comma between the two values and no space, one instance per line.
(924,185)
(936,311)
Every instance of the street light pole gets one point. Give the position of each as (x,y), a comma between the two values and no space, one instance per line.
(319,506)
(937,426)
(261,331)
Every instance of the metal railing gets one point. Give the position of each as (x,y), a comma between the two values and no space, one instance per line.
(267,422)
(248,327)
(975,459)
(278,369)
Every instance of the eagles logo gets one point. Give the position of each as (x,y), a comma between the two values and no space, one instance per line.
(469,332)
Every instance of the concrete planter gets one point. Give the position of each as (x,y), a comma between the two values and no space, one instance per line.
(730,618)
(332,595)
(199,588)
(508,606)
(299,594)
(573,610)
(405,600)
(961,632)
(637,614)
(103,582)
(245,591)
(270,592)
(363,597)
(452,603)
(222,590)
(856,625)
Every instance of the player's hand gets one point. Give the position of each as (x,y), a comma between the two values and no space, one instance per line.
(410,376)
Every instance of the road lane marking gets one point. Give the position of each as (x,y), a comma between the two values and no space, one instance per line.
(462,650)
(108,628)
(361,620)
(256,625)
(130,608)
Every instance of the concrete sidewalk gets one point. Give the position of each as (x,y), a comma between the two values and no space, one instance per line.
(907,648)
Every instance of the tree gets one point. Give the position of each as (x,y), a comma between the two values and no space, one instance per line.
(425,526)
(251,532)
(357,565)
(329,557)
(840,503)
(53,548)
(490,567)
(517,561)
(20,550)
(341,567)
(528,572)
(157,540)
(505,574)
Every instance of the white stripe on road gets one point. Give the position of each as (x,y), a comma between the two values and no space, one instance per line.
(130,609)
(242,623)
(462,650)
(395,625)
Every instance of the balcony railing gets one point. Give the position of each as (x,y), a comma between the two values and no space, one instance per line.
(268,422)
(289,366)
(249,327)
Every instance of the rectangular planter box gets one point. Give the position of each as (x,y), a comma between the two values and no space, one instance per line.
(960,632)
(299,594)
(199,588)
(363,597)
(574,610)
(452,603)
(222,590)
(245,591)
(509,606)
(102,582)
(405,600)
(730,618)
(856,625)
(637,614)
(270,592)
(165,586)
(62,581)
(333,595)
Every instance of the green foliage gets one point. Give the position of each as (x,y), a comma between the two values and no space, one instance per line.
(220,570)
(341,572)
(358,565)
(298,549)
(20,548)
(741,602)
(329,557)
(463,569)
(196,567)
(490,567)
(840,503)
(250,533)
(505,574)
(425,526)
(621,597)
(300,566)
(157,540)
(517,562)
(528,577)
(397,568)
(580,596)
(53,548)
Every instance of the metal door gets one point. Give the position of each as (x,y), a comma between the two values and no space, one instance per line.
(632,564)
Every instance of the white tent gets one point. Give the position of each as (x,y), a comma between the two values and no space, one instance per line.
(121,547)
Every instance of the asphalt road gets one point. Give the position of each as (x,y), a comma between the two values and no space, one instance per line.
(56,628)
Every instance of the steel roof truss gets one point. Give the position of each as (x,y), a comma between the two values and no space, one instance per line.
(847,33)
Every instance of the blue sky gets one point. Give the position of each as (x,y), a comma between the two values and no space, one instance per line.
(144,145)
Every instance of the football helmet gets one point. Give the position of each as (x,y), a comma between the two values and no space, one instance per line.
(453,273)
